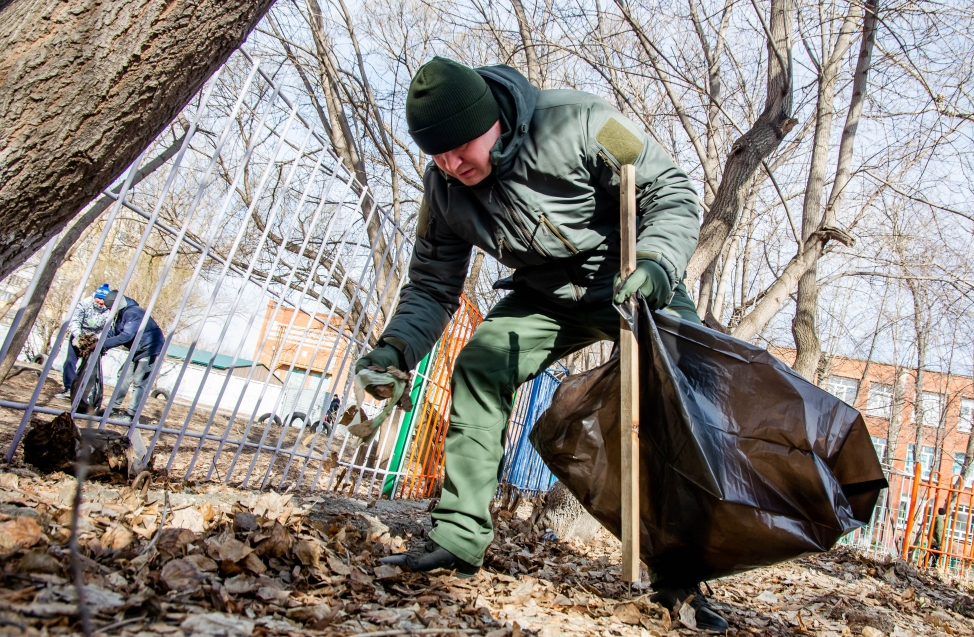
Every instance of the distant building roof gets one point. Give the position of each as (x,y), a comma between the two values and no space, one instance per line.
(202,357)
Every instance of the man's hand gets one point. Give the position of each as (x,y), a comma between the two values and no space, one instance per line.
(383,357)
(648,278)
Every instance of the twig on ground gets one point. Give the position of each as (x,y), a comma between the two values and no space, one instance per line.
(10,622)
(162,523)
(80,473)
(422,631)
(120,624)
(145,477)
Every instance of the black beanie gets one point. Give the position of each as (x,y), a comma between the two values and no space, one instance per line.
(448,105)
(110,298)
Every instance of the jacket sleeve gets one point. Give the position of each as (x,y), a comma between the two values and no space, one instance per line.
(669,211)
(437,270)
(74,325)
(127,334)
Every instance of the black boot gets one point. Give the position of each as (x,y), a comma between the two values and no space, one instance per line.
(427,555)
(673,596)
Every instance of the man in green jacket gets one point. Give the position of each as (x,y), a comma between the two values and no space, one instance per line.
(532,178)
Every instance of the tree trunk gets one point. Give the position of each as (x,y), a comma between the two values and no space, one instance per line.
(752,147)
(808,346)
(561,513)
(61,251)
(470,285)
(896,414)
(85,86)
(530,54)
(872,350)
(801,269)
(921,338)
(344,141)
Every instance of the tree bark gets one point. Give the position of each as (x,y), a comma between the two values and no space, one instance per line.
(753,146)
(63,249)
(921,339)
(808,346)
(470,285)
(562,514)
(896,413)
(85,86)
(813,244)
(530,54)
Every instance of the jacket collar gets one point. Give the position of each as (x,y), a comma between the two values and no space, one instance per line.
(524,96)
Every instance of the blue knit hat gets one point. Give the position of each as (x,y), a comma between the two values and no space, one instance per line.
(102,291)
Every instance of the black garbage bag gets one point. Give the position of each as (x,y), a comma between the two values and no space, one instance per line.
(92,393)
(742,462)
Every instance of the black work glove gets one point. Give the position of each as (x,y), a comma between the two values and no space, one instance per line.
(648,278)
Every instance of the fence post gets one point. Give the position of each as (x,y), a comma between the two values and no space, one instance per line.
(909,516)
(406,429)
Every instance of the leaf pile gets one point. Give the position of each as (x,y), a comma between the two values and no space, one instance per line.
(233,562)
(86,344)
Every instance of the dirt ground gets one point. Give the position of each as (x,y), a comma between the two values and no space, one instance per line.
(236,562)
(20,388)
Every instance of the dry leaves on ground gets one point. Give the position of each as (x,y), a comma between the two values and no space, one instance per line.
(235,562)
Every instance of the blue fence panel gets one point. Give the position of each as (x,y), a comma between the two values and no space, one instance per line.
(523,467)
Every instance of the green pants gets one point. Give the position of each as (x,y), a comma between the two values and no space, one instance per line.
(521,336)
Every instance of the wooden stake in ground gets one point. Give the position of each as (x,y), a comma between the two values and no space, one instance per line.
(629,366)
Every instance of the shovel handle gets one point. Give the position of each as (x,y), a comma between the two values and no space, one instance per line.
(629,367)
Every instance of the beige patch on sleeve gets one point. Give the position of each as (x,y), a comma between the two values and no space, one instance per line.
(619,142)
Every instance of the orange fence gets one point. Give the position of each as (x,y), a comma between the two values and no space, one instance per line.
(904,522)
(941,540)
(423,473)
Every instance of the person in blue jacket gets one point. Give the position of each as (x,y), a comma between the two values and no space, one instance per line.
(121,333)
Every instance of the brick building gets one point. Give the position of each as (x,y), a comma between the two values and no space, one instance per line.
(303,344)
(947,408)
(946,416)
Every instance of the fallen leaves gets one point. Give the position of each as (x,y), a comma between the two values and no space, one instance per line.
(267,563)
(217,625)
(627,614)
(308,553)
(687,616)
(181,575)
(19,533)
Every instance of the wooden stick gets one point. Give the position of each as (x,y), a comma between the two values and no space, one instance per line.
(629,366)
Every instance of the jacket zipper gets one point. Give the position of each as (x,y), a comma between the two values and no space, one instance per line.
(610,163)
(501,243)
(557,233)
(525,235)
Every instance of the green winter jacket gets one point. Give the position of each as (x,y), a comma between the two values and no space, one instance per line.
(549,210)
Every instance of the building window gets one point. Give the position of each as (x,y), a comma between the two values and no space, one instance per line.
(962,525)
(880,446)
(958,465)
(931,406)
(842,388)
(926,460)
(966,415)
(903,511)
(880,401)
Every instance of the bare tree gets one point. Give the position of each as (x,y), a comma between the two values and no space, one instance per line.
(804,329)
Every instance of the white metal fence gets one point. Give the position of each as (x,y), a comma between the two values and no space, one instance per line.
(260,255)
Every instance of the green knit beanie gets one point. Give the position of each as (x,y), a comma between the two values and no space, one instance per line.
(448,105)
